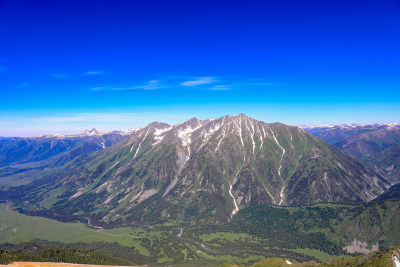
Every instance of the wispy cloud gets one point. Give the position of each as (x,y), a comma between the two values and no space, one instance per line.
(220,88)
(93,72)
(150,85)
(179,82)
(199,81)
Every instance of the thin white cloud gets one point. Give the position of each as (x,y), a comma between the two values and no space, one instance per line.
(199,81)
(93,72)
(150,85)
(220,88)
(177,82)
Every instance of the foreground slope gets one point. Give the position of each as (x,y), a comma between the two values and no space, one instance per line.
(205,170)
(385,258)
(48,257)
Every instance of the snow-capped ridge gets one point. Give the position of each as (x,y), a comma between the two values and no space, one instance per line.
(89,132)
(127,131)
(159,134)
(349,125)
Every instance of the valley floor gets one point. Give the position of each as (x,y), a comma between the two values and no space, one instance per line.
(298,234)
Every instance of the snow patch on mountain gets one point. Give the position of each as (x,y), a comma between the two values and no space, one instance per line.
(159,134)
(186,134)
(137,150)
(219,143)
(239,130)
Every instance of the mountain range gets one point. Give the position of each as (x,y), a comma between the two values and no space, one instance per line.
(378,144)
(203,190)
(23,160)
(201,171)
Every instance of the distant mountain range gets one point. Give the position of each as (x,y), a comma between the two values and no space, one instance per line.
(378,144)
(3,139)
(23,160)
(196,171)
(334,133)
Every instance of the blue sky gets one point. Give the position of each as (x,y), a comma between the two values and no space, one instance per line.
(66,66)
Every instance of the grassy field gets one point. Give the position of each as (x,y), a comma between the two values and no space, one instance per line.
(320,255)
(162,245)
(23,173)
(16,228)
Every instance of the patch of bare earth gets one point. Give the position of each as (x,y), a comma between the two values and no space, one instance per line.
(53,264)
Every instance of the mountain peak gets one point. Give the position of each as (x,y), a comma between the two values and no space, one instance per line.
(158,125)
(189,123)
(91,132)
(237,116)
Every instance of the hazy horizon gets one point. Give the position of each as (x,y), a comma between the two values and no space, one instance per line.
(71,131)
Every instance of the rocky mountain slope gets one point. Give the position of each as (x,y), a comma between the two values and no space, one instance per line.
(368,144)
(393,193)
(388,160)
(376,144)
(205,171)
